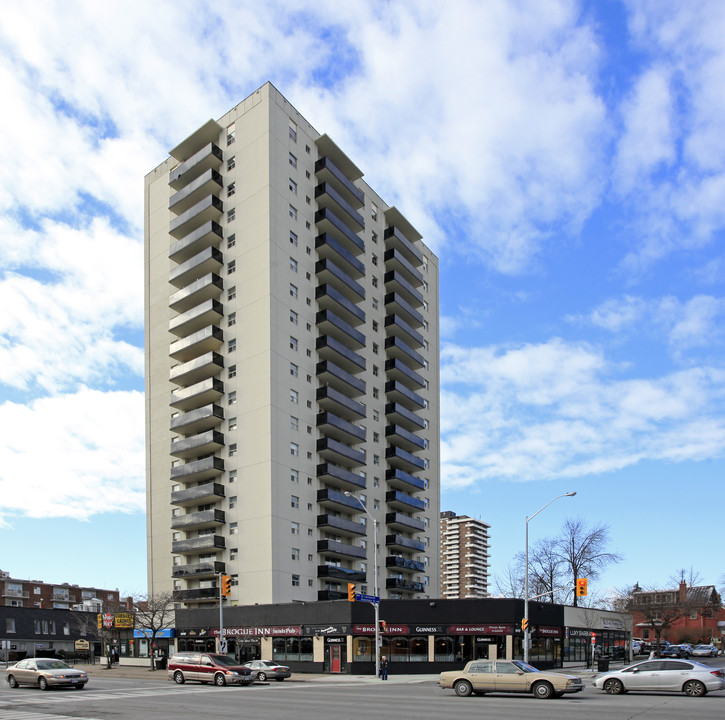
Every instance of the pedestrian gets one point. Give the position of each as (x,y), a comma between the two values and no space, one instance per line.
(384,667)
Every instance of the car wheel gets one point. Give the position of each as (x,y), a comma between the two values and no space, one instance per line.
(463,688)
(613,687)
(219,680)
(261,676)
(543,690)
(179,677)
(43,683)
(12,681)
(694,688)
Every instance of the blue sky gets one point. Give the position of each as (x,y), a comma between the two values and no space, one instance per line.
(566,162)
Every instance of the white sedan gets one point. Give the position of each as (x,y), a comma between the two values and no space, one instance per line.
(704,651)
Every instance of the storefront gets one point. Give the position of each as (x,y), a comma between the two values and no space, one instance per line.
(590,634)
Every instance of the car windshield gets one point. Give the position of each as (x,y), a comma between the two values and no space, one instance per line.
(525,667)
(225,660)
(52,665)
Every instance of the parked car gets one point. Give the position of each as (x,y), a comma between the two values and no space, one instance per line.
(676,651)
(636,647)
(264,669)
(45,673)
(687,676)
(511,676)
(207,668)
(705,651)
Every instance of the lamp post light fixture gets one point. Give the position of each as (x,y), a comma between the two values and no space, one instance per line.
(527,629)
(376,605)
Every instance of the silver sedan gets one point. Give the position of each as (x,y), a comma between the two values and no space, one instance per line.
(45,673)
(264,669)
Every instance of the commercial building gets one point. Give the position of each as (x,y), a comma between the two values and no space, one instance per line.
(291,371)
(464,556)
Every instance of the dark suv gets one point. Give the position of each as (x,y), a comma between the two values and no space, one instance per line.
(207,668)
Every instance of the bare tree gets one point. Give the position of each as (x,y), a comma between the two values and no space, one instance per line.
(583,551)
(690,577)
(154,613)
(510,583)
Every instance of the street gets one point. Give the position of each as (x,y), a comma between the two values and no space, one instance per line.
(108,698)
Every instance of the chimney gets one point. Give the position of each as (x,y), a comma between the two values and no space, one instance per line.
(683,592)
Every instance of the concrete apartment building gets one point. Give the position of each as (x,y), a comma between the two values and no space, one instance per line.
(464,556)
(292,370)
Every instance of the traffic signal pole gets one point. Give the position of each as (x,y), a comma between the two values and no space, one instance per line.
(221,614)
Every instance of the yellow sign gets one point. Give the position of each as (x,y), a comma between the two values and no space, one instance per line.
(124,620)
(119,620)
(82,645)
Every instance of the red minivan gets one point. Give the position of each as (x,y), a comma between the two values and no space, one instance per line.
(207,668)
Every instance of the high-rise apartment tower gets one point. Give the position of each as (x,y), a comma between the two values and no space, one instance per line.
(291,370)
(464,556)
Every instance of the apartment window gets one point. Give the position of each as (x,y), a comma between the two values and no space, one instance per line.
(375,325)
(376,370)
(374,281)
(9,625)
(307,149)
(309,532)
(231,133)
(376,393)
(376,415)
(232,424)
(232,502)
(294,449)
(232,345)
(293,264)
(232,319)
(374,302)
(293,290)
(374,259)
(294,475)
(294,423)
(292,130)
(233,473)
(425,286)
(293,212)
(295,528)
(295,580)
(308,199)
(233,552)
(295,553)
(233,528)
(376,482)
(231,162)
(376,437)
(292,186)
(425,305)
(293,343)
(293,317)
(231,189)
(231,214)
(292,160)
(307,174)
(293,237)
(375,348)
(294,396)
(232,450)
(232,292)
(231,267)
(308,326)
(232,371)
(374,237)
(232,397)
(374,211)
(66,628)
(294,501)
(294,370)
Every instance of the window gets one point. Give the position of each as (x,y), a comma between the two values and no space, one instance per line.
(232,292)
(293,237)
(294,396)
(233,528)
(293,290)
(231,241)
(376,393)
(293,264)
(232,371)
(232,502)
(292,130)
(294,370)
(232,345)
(295,580)
(376,437)
(232,449)
(293,343)
(292,160)
(232,424)
(294,475)
(376,459)
(231,214)
(375,348)
(293,317)
(295,553)
(233,473)
(231,189)
(294,423)
(376,370)
(374,259)
(374,302)
(231,132)
(293,212)
(374,211)
(231,163)
(307,149)
(375,325)
(9,625)
(66,628)
(294,501)
(232,397)
(233,552)
(231,267)
(294,449)
(295,528)
(374,281)
(292,186)
(232,319)
(376,415)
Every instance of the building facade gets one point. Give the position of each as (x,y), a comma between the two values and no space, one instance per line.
(291,371)
(464,556)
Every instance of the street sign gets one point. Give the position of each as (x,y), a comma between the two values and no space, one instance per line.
(367,598)
(222,646)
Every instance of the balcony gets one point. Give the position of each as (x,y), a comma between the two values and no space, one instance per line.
(196,595)
(335,572)
(328,197)
(209,208)
(396,413)
(340,477)
(210,156)
(198,520)
(195,445)
(197,495)
(337,500)
(328,222)
(404,564)
(400,521)
(395,260)
(330,324)
(328,247)
(198,470)
(405,585)
(335,548)
(397,457)
(330,374)
(399,350)
(396,325)
(328,298)
(397,370)
(209,234)
(331,400)
(394,239)
(197,545)
(401,501)
(328,348)
(328,272)
(201,342)
(198,570)
(403,438)
(207,313)
(400,542)
(396,304)
(340,526)
(205,288)
(396,282)
(339,453)
(396,392)
(201,393)
(208,365)
(209,260)
(339,429)
(401,480)
(210,181)
(195,421)
(327,171)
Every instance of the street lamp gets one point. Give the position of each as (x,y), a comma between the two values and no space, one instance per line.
(527,630)
(376,605)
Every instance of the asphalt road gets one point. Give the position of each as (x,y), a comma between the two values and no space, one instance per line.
(109,698)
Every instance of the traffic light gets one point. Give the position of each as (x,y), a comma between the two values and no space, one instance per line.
(581,587)
(351,592)
(226,585)
(383,625)
(524,623)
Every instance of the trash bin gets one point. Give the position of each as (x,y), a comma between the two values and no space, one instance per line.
(603,663)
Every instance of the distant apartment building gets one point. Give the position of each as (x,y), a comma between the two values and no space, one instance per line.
(464,556)
(39,594)
(292,374)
